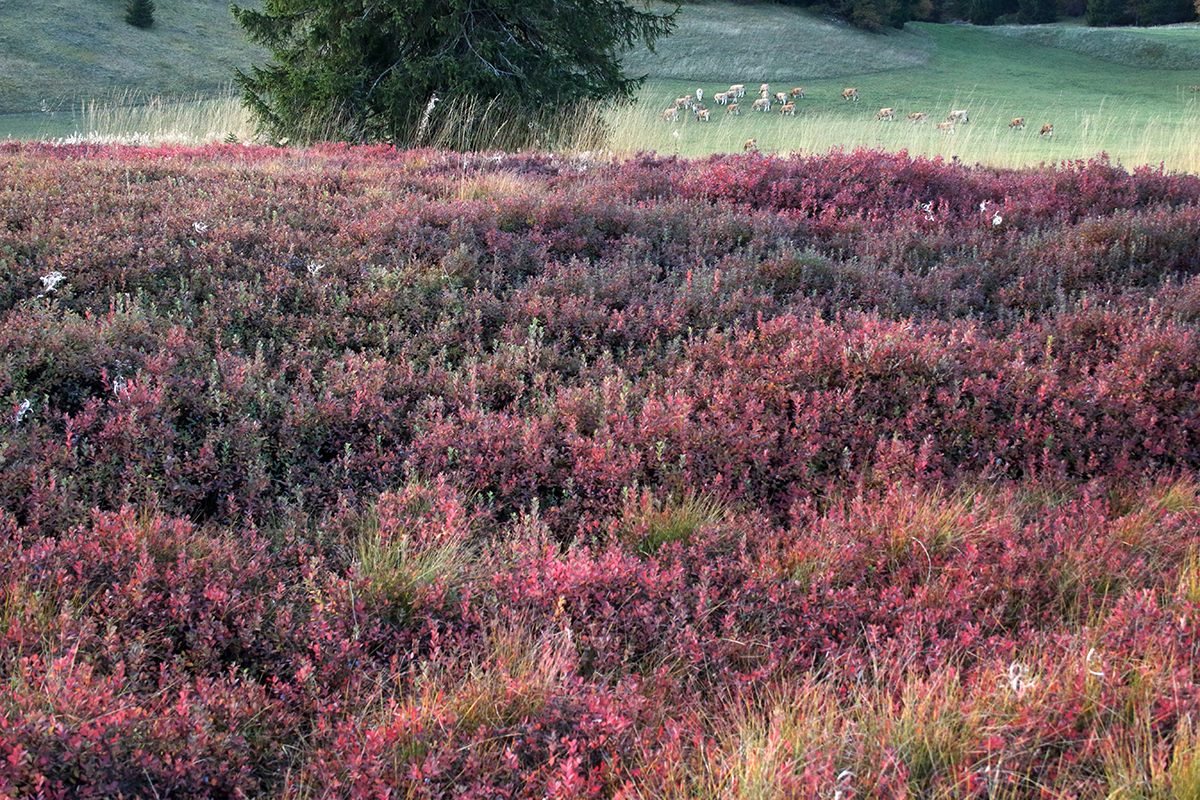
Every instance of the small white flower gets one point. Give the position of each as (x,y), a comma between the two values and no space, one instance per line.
(1018,678)
(314,268)
(199,227)
(996,220)
(22,410)
(675,134)
(52,280)
(983,206)
(843,784)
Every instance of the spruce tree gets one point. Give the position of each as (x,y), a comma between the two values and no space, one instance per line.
(367,71)
(140,13)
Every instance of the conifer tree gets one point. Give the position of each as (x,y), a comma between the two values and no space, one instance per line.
(368,70)
(140,13)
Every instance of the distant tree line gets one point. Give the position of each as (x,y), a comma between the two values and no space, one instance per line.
(875,15)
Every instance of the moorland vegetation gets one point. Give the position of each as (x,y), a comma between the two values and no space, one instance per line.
(814,470)
(347,471)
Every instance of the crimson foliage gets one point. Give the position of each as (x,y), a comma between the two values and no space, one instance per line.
(218,361)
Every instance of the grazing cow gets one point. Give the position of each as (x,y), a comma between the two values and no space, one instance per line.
(671,114)
(885,113)
(737,90)
(797,92)
(850,94)
(946,127)
(699,95)
(917,116)
(788,109)
(701,114)
(762,105)
(1047,130)
(734,109)
(1017,122)
(764,89)
(781,97)
(957,116)
(721,98)
(751,144)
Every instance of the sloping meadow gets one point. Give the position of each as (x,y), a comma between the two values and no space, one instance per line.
(342,471)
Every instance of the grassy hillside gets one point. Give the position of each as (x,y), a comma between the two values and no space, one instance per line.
(1124,92)
(61,52)
(718,41)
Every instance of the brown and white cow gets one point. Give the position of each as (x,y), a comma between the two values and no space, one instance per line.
(957,116)
(885,114)
(781,97)
(701,114)
(1047,130)
(737,90)
(797,92)
(946,127)
(671,114)
(751,144)
(764,89)
(721,98)
(762,104)
(917,116)
(850,94)
(1017,122)
(788,109)
(733,108)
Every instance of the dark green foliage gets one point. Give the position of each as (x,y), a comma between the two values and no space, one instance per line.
(1162,12)
(1106,13)
(983,12)
(357,71)
(1036,12)
(872,15)
(140,13)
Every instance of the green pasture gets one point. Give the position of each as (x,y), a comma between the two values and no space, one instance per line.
(1124,92)
(59,55)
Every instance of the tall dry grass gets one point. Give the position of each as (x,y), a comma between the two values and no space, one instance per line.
(132,118)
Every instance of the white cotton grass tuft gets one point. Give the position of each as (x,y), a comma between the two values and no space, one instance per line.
(21,411)
(51,281)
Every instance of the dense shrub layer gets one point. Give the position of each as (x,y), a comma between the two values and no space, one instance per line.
(333,470)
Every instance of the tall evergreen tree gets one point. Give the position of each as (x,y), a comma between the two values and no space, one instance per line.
(359,70)
(140,13)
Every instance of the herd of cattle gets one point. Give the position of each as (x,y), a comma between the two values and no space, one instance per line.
(731,99)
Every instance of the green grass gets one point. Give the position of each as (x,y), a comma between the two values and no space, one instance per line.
(1120,91)
(721,41)
(65,52)
(1126,103)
